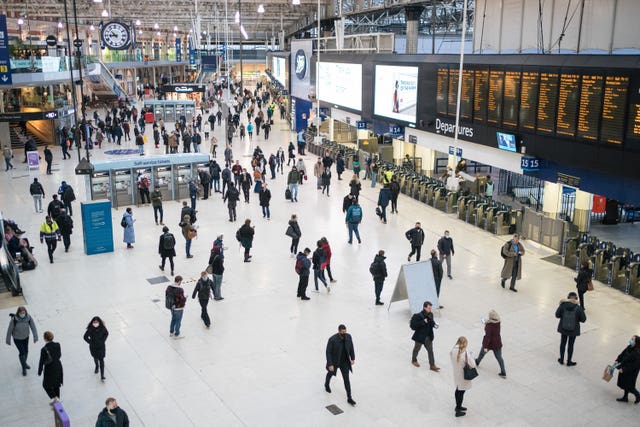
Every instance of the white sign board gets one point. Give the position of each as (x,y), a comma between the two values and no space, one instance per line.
(416,283)
(341,84)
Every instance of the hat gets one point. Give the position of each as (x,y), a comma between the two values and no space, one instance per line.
(494,316)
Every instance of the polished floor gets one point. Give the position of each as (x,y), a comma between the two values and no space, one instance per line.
(262,361)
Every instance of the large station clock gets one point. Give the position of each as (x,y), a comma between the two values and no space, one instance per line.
(116,35)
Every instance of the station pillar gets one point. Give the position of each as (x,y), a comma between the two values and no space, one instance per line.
(412,18)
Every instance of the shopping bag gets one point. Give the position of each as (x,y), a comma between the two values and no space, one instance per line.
(608,373)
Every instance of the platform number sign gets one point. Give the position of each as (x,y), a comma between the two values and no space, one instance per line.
(530,164)
(5,64)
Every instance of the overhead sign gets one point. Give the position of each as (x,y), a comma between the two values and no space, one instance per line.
(26,116)
(184,88)
(5,64)
(413,139)
(570,180)
(396,130)
(458,152)
(341,84)
(178,49)
(452,150)
(361,124)
(51,41)
(530,164)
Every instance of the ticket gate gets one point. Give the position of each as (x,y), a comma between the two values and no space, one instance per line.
(487,220)
(404,181)
(451,199)
(502,220)
(439,195)
(633,276)
(478,212)
(585,251)
(415,187)
(430,191)
(570,247)
(422,194)
(617,277)
(602,261)
(470,209)
(462,206)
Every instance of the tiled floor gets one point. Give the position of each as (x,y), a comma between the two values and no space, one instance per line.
(262,362)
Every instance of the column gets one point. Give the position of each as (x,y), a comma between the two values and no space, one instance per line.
(412,18)
(582,210)
(552,201)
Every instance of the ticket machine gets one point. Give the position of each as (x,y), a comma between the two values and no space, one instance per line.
(181,176)
(100,185)
(161,178)
(122,184)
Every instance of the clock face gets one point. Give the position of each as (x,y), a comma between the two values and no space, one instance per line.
(116,36)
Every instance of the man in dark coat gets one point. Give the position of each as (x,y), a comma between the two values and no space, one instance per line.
(571,315)
(445,248)
(48,157)
(416,238)
(436,266)
(111,411)
(340,355)
(245,237)
(231,196)
(383,201)
(65,225)
(167,248)
(423,324)
(378,270)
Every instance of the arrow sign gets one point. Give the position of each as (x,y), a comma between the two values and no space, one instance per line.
(5,65)
(5,78)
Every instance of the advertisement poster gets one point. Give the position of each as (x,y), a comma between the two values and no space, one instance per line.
(396,92)
(97,227)
(178,49)
(278,69)
(341,84)
(5,65)
(300,69)
(33,159)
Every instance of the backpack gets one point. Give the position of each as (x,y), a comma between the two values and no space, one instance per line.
(356,214)
(34,188)
(287,194)
(374,268)
(169,298)
(298,267)
(238,236)
(569,319)
(123,222)
(55,210)
(502,253)
(68,194)
(205,289)
(168,241)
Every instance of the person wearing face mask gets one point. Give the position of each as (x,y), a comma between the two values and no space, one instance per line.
(445,248)
(19,326)
(203,291)
(628,365)
(112,415)
(50,233)
(340,355)
(51,366)
(96,336)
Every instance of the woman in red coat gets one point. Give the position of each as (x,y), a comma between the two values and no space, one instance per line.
(492,341)
(327,260)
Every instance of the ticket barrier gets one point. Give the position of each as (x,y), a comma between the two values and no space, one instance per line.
(570,247)
(463,202)
(585,251)
(439,198)
(489,215)
(420,187)
(451,198)
(470,209)
(633,276)
(617,277)
(478,212)
(601,259)
(502,220)
(404,181)
(415,184)
(422,192)
(431,188)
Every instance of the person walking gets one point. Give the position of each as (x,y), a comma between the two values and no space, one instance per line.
(325,180)
(293,231)
(461,356)
(446,250)
(129,233)
(394,186)
(167,248)
(302,170)
(96,336)
(19,325)
(583,281)
(48,158)
(436,266)
(416,237)
(265,199)
(50,233)
(7,152)
(353,219)
(65,225)
(55,207)
(384,196)
(327,257)
(318,259)
(355,186)
(231,197)
(50,364)
(37,192)
(340,355)
(215,172)
(512,252)
(189,233)
(112,415)
(422,324)
(317,173)
(216,261)
(302,268)
(373,168)
(245,237)
(492,341)
(67,195)
(193,193)
(378,270)
(628,365)
(203,291)
(175,301)
(156,202)
(571,315)
(293,178)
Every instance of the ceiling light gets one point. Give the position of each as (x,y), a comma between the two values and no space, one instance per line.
(91,28)
(244,33)
(138,23)
(97,1)
(237,17)
(156,26)
(20,21)
(175,35)
(59,24)
(296,2)
(175,28)
(261,9)
(140,32)
(158,34)
(105,13)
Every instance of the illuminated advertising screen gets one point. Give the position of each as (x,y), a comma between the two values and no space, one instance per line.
(341,84)
(396,92)
(279,69)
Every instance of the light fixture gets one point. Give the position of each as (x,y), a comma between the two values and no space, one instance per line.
(97,1)
(158,34)
(261,9)
(156,26)
(244,33)
(175,35)
(20,21)
(140,32)
(175,28)
(105,13)
(92,28)
(237,17)
(296,2)
(59,24)
(138,23)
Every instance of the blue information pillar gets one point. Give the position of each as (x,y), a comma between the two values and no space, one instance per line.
(97,227)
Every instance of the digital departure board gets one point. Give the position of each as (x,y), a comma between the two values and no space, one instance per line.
(466,98)
(442,90)
(634,121)
(511,98)
(567,104)
(547,102)
(453,91)
(480,89)
(494,99)
(613,108)
(590,106)
(528,99)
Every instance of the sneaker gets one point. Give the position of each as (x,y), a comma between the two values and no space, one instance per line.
(328,289)
(171,334)
(161,267)
(327,388)
(513,289)
(179,337)
(449,276)
(316,291)
(571,363)
(416,364)
(333,281)
(409,258)
(351,402)
(503,374)
(189,256)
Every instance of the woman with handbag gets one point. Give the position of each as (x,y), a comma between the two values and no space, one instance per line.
(464,370)
(492,341)
(628,364)
(583,282)
(294,232)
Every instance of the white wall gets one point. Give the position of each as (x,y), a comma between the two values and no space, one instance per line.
(342,115)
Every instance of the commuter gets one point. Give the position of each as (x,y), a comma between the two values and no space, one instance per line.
(216,261)
(318,260)
(355,186)
(65,225)
(189,233)
(461,357)
(245,237)
(384,196)
(193,193)
(325,179)
(50,363)
(140,144)
(340,355)
(273,164)
(236,169)
(280,160)
(50,233)
(327,255)
(175,301)
(492,341)
(291,155)
(205,180)
(302,170)
(246,182)
(203,291)
(512,252)
(55,207)
(293,231)
(436,266)
(67,195)
(129,233)
(292,181)
(373,168)
(346,202)
(156,202)
(265,198)
(112,415)
(186,210)
(37,192)
(571,315)
(48,158)
(317,172)
(628,365)
(327,161)
(367,170)
(422,324)
(446,250)
(378,270)
(416,238)
(250,130)
(488,192)
(583,282)
(353,219)
(226,178)
(301,142)
(167,248)
(395,191)
(231,197)
(356,167)
(214,171)
(340,166)
(7,152)
(18,329)
(96,336)
(302,268)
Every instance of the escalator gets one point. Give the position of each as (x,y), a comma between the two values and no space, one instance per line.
(9,273)
(102,83)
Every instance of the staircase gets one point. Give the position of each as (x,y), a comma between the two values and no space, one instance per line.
(18,136)
(102,83)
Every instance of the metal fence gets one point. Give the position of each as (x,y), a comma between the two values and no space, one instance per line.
(542,229)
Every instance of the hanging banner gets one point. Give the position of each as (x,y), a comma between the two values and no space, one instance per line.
(192,53)
(156,51)
(178,49)
(5,64)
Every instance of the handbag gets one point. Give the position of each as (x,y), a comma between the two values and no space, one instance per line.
(209,269)
(291,232)
(608,373)
(589,285)
(469,372)
(287,194)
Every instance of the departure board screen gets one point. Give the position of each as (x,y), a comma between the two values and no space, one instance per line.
(510,99)
(590,106)
(494,100)
(634,122)
(442,89)
(547,102)
(453,91)
(613,108)
(528,99)
(466,98)
(480,89)
(567,104)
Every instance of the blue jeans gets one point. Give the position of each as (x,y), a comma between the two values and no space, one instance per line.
(188,247)
(374,176)
(193,202)
(353,228)
(216,184)
(318,273)
(294,191)
(176,320)
(217,284)
(141,149)
(383,215)
(266,212)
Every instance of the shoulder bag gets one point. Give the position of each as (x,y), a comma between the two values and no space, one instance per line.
(469,372)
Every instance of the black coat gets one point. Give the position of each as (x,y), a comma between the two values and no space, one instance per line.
(415,236)
(436,266)
(166,252)
(264,196)
(571,305)
(216,261)
(629,361)
(104,420)
(52,371)
(582,281)
(334,351)
(423,330)
(96,337)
